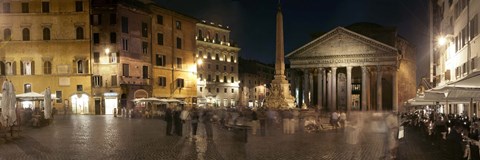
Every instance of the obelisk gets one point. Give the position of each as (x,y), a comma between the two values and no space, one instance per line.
(279,96)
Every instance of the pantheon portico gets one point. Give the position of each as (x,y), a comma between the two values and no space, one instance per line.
(345,70)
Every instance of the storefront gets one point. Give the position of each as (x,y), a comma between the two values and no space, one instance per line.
(111,102)
(80,103)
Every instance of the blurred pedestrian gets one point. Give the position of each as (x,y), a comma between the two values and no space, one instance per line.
(393,126)
(255,122)
(185,116)
(169,120)
(194,116)
(207,122)
(334,119)
(343,119)
(177,121)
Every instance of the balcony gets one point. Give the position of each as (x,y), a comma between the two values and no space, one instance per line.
(219,42)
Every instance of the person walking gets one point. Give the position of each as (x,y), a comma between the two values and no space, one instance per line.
(169,120)
(334,119)
(194,116)
(255,122)
(177,121)
(262,117)
(393,126)
(343,119)
(207,117)
(185,116)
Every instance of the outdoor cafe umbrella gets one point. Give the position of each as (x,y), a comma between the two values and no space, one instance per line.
(47,103)
(4,104)
(13,101)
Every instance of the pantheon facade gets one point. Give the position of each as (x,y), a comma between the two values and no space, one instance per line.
(362,67)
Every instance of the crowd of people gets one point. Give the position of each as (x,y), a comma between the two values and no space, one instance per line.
(457,134)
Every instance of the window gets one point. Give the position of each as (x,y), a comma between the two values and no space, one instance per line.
(217,78)
(96,38)
(45,7)
(208,66)
(200,35)
(6,7)
(216,67)
(144,29)
(113,37)
(46,34)
(160,38)
(225,90)
(200,76)
(232,80)
(224,68)
(97,81)
(114,80)
(125,44)
(82,66)
(209,90)
(231,58)
(125,70)
(159,19)
(79,87)
(10,68)
(224,57)
(179,43)
(79,33)
(218,90)
(59,96)
(7,34)
(25,8)
(145,72)
(27,67)
(113,19)
(26,34)
(145,47)
(124,24)
(27,88)
(162,81)
(180,83)
(178,24)
(224,79)
(216,37)
(113,57)
(231,68)
(78,6)
(201,89)
(96,57)
(47,67)
(233,90)
(179,63)
(97,19)
(160,60)
(474,27)
(209,56)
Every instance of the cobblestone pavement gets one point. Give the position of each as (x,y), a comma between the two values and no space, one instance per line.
(106,137)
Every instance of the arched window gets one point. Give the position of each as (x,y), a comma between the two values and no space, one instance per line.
(7,34)
(224,38)
(2,68)
(200,36)
(79,32)
(216,37)
(46,34)
(26,34)
(80,66)
(47,67)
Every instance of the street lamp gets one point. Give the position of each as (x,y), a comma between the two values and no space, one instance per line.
(107,51)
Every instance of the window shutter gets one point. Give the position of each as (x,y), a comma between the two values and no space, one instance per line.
(14,68)
(33,67)
(74,69)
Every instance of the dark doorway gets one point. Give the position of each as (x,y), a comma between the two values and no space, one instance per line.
(97,106)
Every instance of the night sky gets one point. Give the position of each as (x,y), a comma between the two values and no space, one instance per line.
(252,22)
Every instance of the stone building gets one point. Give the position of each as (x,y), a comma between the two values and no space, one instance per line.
(255,78)
(173,55)
(47,44)
(217,65)
(121,54)
(360,67)
(454,56)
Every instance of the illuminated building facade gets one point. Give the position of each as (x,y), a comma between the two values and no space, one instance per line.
(47,44)
(173,50)
(455,55)
(255,78)
(217,66)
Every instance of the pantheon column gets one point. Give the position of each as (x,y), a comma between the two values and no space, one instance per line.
(334,89)
(364,88)
(379,88)
(325,88)
(310,89)
(305,87)
(349,88)
(319,88)
(395,90)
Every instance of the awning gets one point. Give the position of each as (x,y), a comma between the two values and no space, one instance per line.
(30,96)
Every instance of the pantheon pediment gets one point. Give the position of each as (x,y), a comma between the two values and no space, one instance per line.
(341,42)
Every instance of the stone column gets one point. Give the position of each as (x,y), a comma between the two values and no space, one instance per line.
(349,88)
(379,88)
(364,88)
(395,90)
(319,88)
(324,95)
(310,89)
(334,89)
(305,87)
(329,90)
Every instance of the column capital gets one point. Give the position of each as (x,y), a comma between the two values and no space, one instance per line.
(349,67)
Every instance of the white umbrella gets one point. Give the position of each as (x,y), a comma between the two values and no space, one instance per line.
(30,96)
(4,103)
(12,101)
(47,103)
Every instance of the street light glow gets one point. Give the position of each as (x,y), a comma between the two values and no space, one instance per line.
(442,41)
(199,62)
(107,51)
